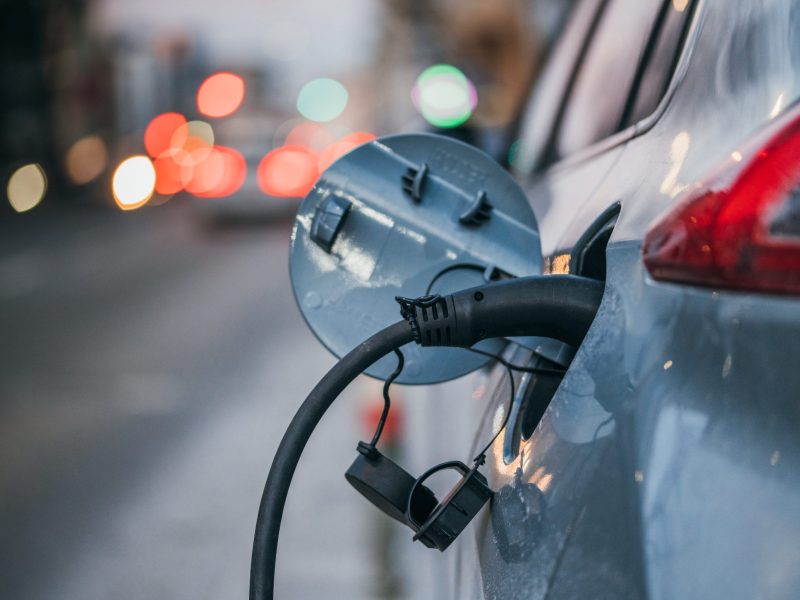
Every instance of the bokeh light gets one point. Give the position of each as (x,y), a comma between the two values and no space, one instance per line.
(191,143)
(201,131)
(444,96)
(288,171)
(172,175)
(338,149)
(220,94)
(322,100)
(86,159)
(26,187)
(231,167)
(133,182)
(359,137)
(207,174)
(308,133)
(159,133)
(190,161)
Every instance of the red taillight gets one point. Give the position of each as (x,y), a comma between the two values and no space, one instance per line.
(741,231)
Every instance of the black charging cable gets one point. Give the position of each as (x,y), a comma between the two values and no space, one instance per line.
(480,458)
(556,306)
(270,511)
(387,402)
(490,273)
(520,368)
(510,368)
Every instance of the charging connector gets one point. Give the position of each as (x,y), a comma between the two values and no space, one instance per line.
(556,306)
(561,307)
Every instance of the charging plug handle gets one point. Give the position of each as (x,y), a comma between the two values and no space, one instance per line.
(561,307)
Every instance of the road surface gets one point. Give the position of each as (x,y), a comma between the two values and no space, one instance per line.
(148,368)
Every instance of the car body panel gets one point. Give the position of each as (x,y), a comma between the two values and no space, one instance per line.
(666,464)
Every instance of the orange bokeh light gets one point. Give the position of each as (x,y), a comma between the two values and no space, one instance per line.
(288,171)
(338,149)
(158,135)
(220,94)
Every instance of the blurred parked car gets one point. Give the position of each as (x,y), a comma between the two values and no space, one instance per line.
(660,151)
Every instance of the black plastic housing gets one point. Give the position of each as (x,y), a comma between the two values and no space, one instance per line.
(388,486)
(457,509)
(565,306)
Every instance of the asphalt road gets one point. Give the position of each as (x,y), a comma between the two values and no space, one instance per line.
(148,367)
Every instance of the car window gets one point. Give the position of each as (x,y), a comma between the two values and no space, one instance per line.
(543,109)
(661,63)
(604,80)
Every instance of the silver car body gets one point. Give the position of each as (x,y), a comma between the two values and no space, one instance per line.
(667,463)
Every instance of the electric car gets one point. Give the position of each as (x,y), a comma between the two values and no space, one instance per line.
(660,152)
(639,279)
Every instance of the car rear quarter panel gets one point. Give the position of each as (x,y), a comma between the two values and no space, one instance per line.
(668,461)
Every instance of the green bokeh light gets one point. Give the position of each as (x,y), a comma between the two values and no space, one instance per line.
(444,96)
(322,100)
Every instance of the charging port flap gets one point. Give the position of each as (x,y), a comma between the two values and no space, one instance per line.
(406,215)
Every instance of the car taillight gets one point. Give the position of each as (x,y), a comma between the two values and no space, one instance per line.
(740,230)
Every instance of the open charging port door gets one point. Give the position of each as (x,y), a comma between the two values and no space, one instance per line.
(404,215)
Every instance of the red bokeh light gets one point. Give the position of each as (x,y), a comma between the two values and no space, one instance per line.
(313,135)
(392,428)
(159,132)
(338,149)
(288,171)
(234,171)
(359,137)
(171,175)
(208,173)
(220,94)
(186,159)
(189,146)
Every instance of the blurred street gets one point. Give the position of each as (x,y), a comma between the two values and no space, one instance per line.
(152,157)
(150,366)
